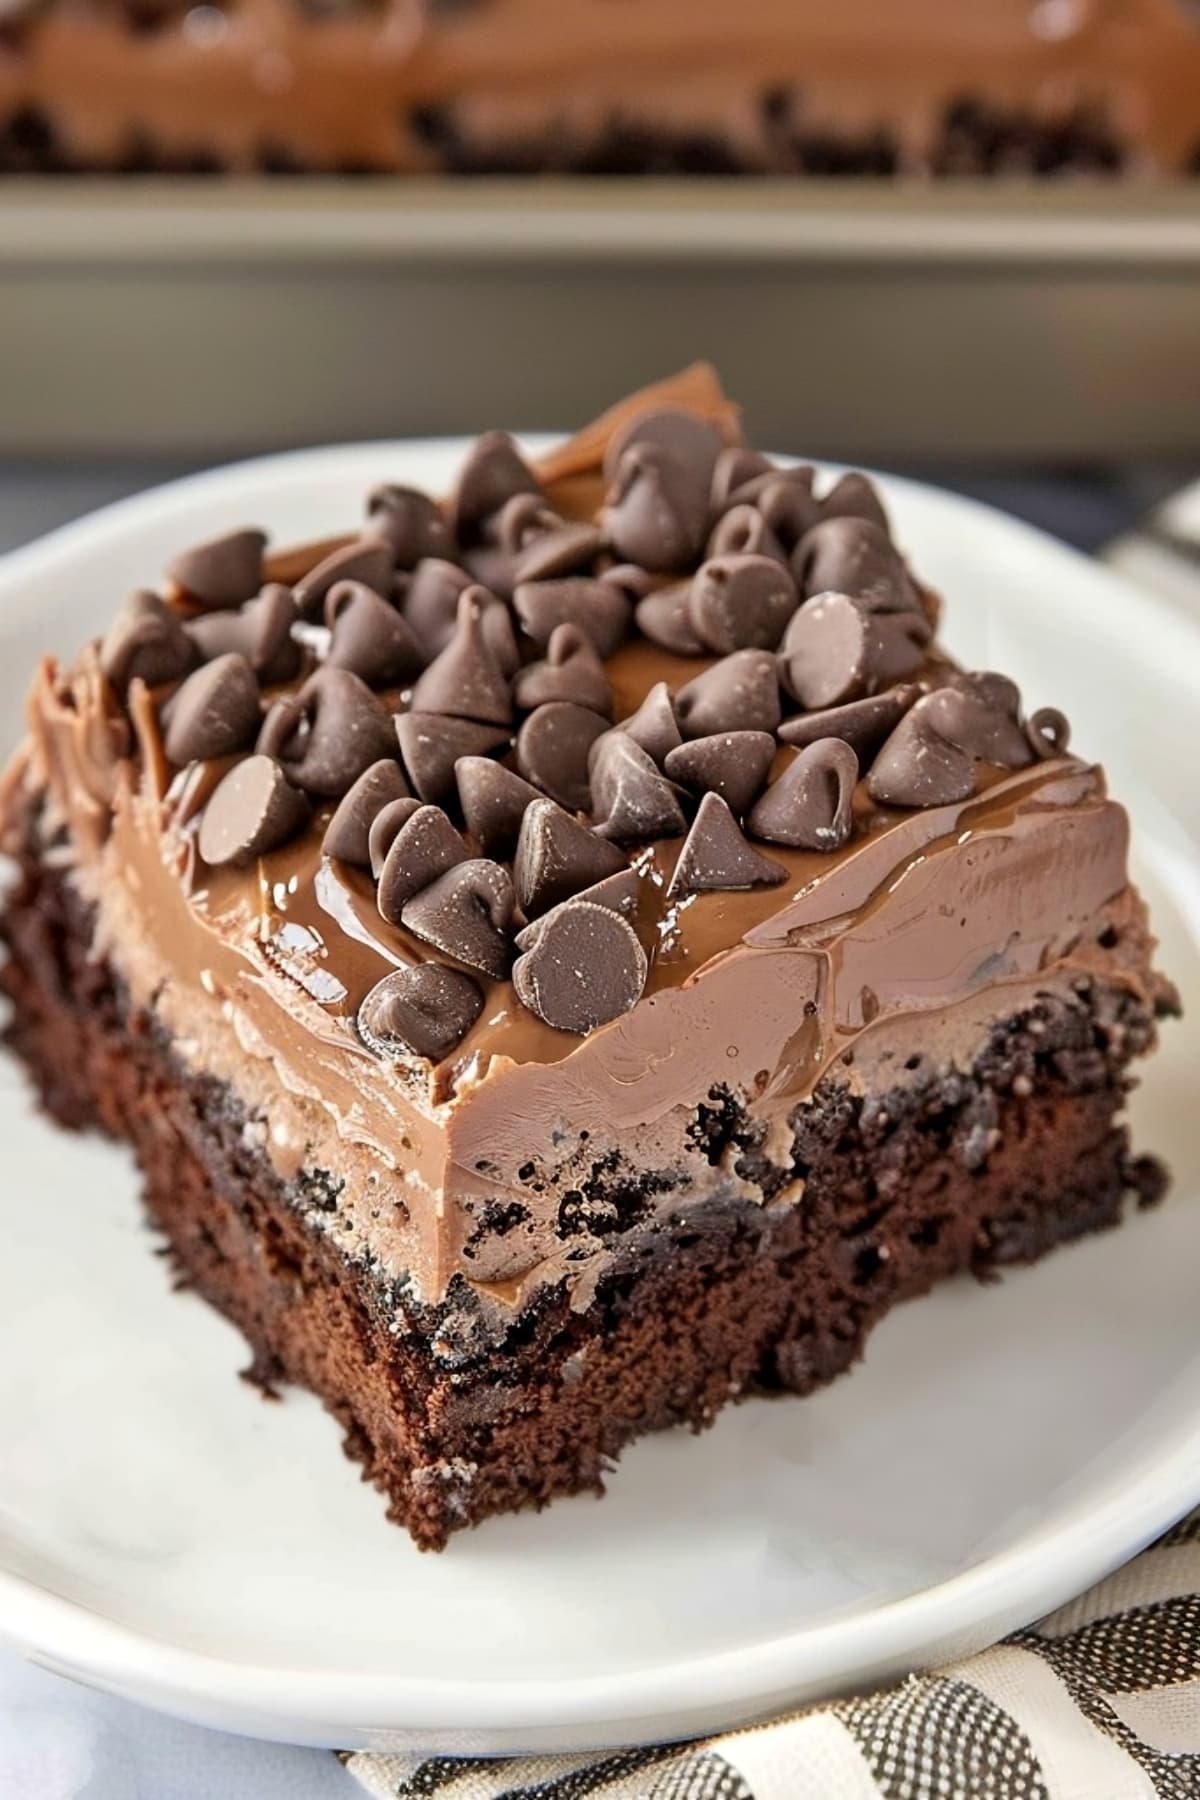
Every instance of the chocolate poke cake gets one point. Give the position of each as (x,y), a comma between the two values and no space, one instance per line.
(1033,87)
(573,952)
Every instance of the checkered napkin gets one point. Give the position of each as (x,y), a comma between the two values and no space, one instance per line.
(1101,1701)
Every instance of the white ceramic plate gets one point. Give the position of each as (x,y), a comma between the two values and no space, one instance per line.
(166,1534)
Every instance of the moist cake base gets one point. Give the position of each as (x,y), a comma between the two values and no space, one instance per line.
(955,1171)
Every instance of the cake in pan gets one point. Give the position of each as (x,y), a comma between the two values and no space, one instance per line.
(573,953)
(585,86)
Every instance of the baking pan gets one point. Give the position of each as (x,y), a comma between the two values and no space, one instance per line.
(869,320)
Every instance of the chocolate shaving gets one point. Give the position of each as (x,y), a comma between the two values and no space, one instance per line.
(347,836)
(809,806)
(619,893)
(556,857)
(253,809)
(466,913)
(366,559)
(733,764)
(147,642)
(386,827)
(410,522)
(562,550)
(665,618)
(740,693)
(553,749)
(715,855)
(493,801)
(493,472)
(744,532)
(585,968)
(329,733)
(656,513)
(654,726)
(425,846)
(430,604)
(631,800)
(863,724)
(598,608)
(571,671)
(465,680)
(856,557)
(214,713)
(836,649)
(425,1010)
(369,637)
(261,631)
(741,602)
(431,744)
(1048,732)
(222,572)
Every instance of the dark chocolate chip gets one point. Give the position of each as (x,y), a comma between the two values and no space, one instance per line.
(386,827)
(424,847)
(467,913)
(519,521)
(499,635)
(585,968)
(656,513)
(425,1010)
(744,532)
(863,724)
(571,671)
(654,725)
(410,522)
(556,857)
(981,714)
(735,466)
(493,472)
(430,605)
(146,641)
(254,808)
(855,557)
(809,806)
(369,637)
(919,765)
(431,744)
(491,567)
(853,496)
(366,559)
(599,608)
(787,505)
(733,764)
(739,693)
(261,631)
(619,893)
(687,439)
(347,836)
(493,801)
(836,649)
(741,603)
(466,681)
(631,801)
(665,618)
(997,692)
(553,747)
(636,583)
(563,550)
(214,713)
(1048,732)
(329,733)
(716,855)
(222,572)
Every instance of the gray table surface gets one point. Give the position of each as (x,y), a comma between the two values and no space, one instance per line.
(59,1742)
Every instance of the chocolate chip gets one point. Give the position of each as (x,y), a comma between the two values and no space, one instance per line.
(423,1010)
(716,855)
(654,725)
(855,557)
(491,567)
(809,806)
(520,520)
(499,635)
(741,603)
(347,836)
(631,801)
(254,808)
(733,764)
(329,733)
(431,744)
(665,618)
(919,765)
(744,532)
(740,693)
(426,1010)
(571,671)
(691,442)
(735,466)
(146,641)
(863,724)
(261,631)
(585,968)
(430,605)
(997,692)
(493,801)
(556,857)
(369,637)
(366,559)
(619,893)
(467,913)
(410,522)
(1048,732)
(493,472)
(656,514)
(425,847)
(564,550)
(553,746)
(632,580)
(386,827)
(465,680)
(222,572)
(214,713)
(787,506)
(983,718)
(835,650)
(598,608)
(852,496)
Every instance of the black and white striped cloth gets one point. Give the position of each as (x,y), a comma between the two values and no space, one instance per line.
(1100,1701)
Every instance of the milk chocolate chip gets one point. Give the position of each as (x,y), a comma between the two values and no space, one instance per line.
(741,603)
(409,521)
(571,671)
(253,809)
(740,693)
(863,724)
(493,801)
(656,513)
(329,733)
(654,726)
(856,557)
(214,713)
(261,631)
(586,967)
(347,836)
(467,913)
(222,572)
(466,680)
(733,764)
(556,857)
(631,801)
(553,749)
(665,618)
(426,1010)
(836,649)
(430,604)
(715,855)
(599,608)
(562,550)
(146,640)
(809,806)
(369,637)
(431,744)
(493,472)
(425,846)
(366,559)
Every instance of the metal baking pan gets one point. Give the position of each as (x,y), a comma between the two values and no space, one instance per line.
(868,320)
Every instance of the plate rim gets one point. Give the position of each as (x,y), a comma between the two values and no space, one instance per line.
(1077,1544)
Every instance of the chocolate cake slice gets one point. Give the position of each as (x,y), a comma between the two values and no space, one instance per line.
(573,953)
